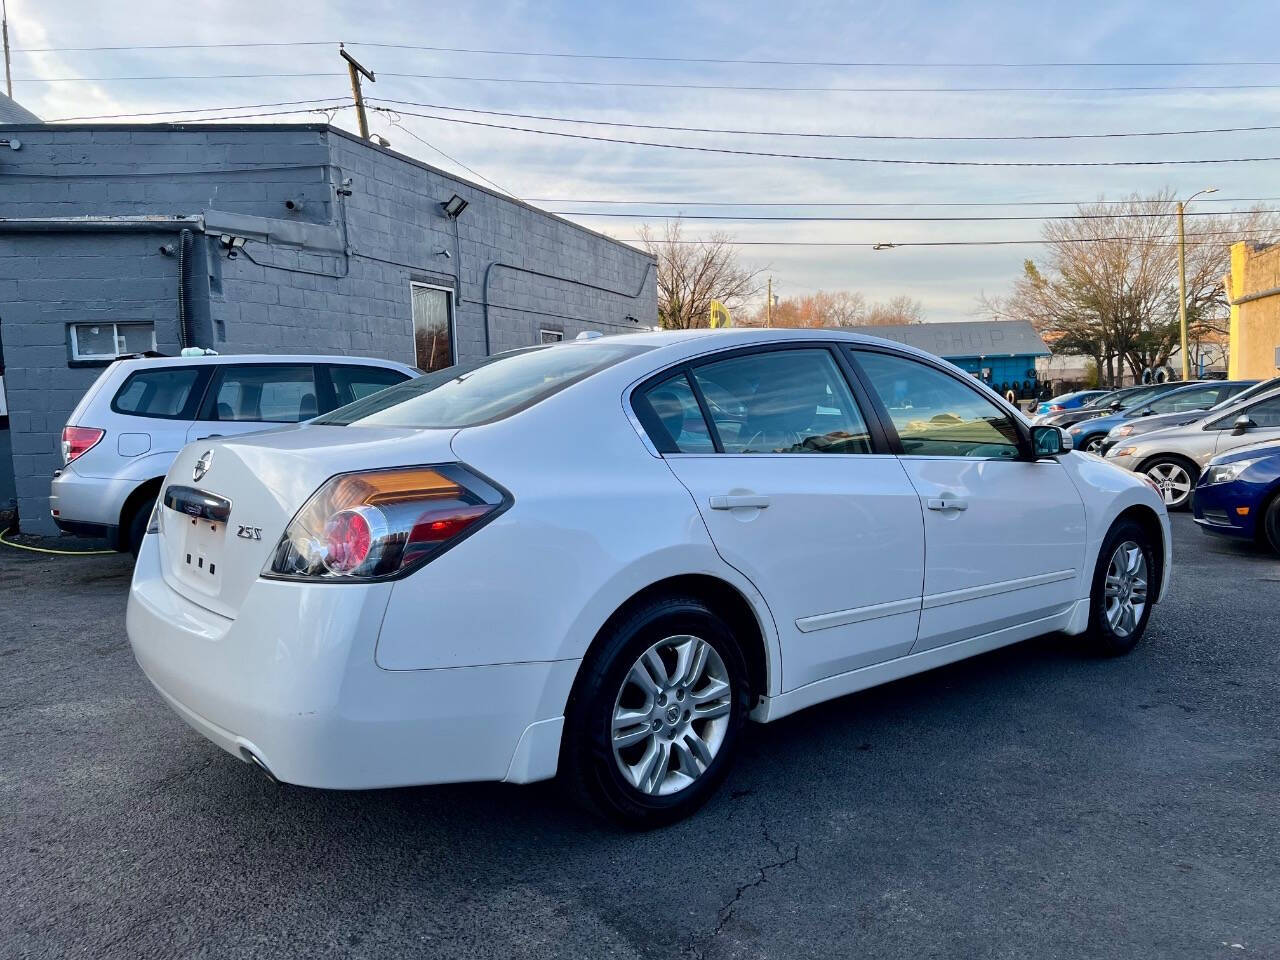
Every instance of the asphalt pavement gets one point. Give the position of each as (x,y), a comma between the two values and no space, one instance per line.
(1032,803)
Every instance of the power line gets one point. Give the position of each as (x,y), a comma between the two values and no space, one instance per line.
(803,156)
(638,58)
(162,113)
(824,136)
(981,219)
(878,203)
(1147,88)
(1162,241)
(452,159)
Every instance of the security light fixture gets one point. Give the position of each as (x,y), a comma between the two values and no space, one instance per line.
(453,207)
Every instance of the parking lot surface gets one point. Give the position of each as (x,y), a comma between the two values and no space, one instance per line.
(1033,802)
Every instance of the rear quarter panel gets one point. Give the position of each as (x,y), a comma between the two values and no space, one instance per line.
(595,519)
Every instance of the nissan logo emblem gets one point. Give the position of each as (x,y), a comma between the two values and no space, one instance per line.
(202,466)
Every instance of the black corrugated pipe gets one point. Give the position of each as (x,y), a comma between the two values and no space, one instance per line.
(184,293)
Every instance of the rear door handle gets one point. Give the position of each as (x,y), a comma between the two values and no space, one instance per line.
(738,500)
(947,503)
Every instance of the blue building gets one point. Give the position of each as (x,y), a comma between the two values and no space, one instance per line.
(1001,353)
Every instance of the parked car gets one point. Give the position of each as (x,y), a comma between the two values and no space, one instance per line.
(127,428)
(1183,407)
(1069,401)
(1238,495)
(1174,457)
(1091,435)
(568,559)
(1106,404)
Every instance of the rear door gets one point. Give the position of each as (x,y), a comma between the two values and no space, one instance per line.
(248,397)
(1004,535)
(802,496)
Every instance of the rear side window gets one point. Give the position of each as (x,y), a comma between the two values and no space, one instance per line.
(355,383)
(670,413)
(481,391)
(163,392)
(269,393)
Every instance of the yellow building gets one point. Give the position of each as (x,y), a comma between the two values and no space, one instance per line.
(1253,287)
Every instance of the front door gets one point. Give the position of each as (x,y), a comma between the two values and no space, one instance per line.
(1004,536)
(1264,424)
(801,499)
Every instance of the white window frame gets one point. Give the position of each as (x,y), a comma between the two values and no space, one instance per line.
(557,336)
(76,353)
(453,319)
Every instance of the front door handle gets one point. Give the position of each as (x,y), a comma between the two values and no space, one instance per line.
(738,500)
(947,503)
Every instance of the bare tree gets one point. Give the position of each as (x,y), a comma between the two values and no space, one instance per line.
(836,308)
(1108,283)
(895,310)
(692,273)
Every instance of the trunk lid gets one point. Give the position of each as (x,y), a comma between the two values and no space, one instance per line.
(227,502)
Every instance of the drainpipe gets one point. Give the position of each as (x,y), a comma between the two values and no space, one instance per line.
(184,289)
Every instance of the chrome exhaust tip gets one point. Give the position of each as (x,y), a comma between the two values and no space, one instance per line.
(254,760)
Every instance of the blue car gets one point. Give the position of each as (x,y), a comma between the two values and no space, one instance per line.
(1068,401)
(1089,435)
(1239,495)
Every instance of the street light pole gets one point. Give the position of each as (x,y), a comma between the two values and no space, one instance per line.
(1182,280)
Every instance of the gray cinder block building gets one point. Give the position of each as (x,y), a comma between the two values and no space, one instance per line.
(267,239)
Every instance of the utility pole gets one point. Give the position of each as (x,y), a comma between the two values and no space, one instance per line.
(769,304)
(355,68)
(1182,281)
(4,26)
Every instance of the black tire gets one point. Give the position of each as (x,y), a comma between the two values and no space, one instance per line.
(137,528)
(1102,637)
(588,764)
(1163,469)
(1271,525)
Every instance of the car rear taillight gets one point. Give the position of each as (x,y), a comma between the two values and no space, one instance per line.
(380,524)
(77,441)
(1056,408)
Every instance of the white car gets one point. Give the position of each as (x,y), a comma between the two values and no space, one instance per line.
(601,558)
(124,433)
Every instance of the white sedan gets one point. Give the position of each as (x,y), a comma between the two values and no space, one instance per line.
(601,558)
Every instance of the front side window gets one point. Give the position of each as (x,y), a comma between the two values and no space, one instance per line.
(480,391)
(1184,400)
(269,393)
(782,401)
(156,393)
(936,415)
(432,327)
(1266,413)
(106,341)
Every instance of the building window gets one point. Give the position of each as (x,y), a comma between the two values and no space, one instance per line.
(106,341)
(550,336)
(432,327)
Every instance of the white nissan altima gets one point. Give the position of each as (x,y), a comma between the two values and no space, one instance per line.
(601,558)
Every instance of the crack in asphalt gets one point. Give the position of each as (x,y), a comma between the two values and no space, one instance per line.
(697,949)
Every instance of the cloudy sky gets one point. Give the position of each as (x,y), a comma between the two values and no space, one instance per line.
(910,44)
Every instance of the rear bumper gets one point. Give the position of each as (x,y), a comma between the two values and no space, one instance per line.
(92,531)
(87,502)
(293,681)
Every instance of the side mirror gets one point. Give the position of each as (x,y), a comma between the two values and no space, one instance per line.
(1242,424)
(1115,406)
(1049,441)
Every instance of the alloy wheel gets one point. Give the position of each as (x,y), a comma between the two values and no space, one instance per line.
(1126,588)
(671,715)
(1173,481)
(1094,445)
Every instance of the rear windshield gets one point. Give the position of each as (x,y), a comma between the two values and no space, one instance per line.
(480,391)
